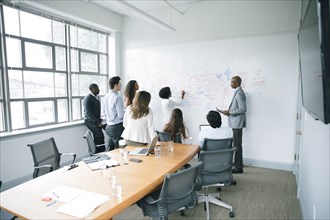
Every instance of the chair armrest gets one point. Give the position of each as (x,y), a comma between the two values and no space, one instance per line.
(100,145)
(70,154)
(150,200)
(43,166)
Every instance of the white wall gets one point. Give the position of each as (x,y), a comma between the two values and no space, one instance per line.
(256,39)
(314,194)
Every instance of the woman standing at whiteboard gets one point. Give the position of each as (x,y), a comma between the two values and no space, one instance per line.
(168,103)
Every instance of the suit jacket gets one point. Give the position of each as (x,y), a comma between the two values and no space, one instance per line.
(92,109)
(237,109)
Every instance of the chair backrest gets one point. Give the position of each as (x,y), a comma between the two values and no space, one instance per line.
(217,144)
(45,153)
(90,142)
(179,190)
(217,167)
(163,136)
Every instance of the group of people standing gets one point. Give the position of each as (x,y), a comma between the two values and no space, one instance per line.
(132,119)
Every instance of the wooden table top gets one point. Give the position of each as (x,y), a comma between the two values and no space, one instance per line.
(138,179)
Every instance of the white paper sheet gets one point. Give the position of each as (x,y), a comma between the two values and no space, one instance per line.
(83,205)
(63,194)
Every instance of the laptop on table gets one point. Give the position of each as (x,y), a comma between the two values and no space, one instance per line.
(143,151)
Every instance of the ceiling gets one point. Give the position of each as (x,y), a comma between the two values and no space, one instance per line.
(140,9)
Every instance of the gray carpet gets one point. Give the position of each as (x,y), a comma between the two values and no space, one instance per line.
(259,194)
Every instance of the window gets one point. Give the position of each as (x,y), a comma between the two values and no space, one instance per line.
(49,66)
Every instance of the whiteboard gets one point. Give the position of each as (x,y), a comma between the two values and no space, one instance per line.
(267,66)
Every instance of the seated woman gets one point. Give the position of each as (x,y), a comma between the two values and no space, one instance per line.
(138,121)
(176,126)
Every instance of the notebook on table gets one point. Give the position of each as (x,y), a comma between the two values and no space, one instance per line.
(143,151)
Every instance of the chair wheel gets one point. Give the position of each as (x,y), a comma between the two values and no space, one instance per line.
(231,214)
(218,188)
(234,182)
(182,213)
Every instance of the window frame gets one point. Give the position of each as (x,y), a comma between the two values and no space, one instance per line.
(6,100)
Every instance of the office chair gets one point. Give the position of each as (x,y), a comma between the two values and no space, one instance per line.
(217,144)
(216,171)
(92,147)
(46,157)
(163,136)
(177,193)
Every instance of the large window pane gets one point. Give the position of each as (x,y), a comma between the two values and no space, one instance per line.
(11,21)
(89,62)
(74,61)
(81,82)
(87,39)
(102,43)
(17,115)
(38,55)
(35,27)
(76,109)
(41,112)
(58,32)
(60,58)
(103,84)
(62,106)
(15,84)
(103,64)
(73,36)
(38,84)
(14,52)
(60,84)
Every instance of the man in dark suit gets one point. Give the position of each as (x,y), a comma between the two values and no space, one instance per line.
(92,110)
(237,120)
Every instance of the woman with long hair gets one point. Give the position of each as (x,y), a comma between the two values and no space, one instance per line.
(176,125)
(138,121)
(131,88)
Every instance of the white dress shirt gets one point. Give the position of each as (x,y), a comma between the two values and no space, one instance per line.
(167,106)
(113,108)
(139,130)
(214,133)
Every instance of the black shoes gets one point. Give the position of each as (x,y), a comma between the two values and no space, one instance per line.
(237,170)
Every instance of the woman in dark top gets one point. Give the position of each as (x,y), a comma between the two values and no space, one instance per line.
(176,125)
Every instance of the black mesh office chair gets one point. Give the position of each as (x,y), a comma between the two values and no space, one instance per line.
(217,144)
(92,147)
(178,192)
(163,136)
(216,171)
(46,156)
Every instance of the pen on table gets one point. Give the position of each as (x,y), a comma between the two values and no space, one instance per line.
(55,195)
(53,202)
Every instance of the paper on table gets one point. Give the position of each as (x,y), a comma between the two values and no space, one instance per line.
(96,165)
(63,193)
(83,205)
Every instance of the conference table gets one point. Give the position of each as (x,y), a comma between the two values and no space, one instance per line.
(137,179)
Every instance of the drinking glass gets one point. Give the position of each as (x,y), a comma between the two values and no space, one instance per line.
(157,152)
(170,146)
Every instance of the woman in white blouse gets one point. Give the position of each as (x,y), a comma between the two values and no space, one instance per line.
(138,121)
(168,103)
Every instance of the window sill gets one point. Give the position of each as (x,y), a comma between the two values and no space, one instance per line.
(39,129)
